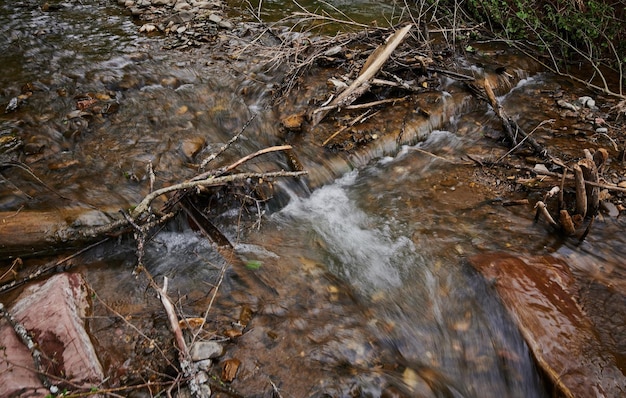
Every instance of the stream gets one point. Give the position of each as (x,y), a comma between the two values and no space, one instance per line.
(387,241)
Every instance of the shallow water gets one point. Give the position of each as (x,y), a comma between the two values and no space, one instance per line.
(396,231)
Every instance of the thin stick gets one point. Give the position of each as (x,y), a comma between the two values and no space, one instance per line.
(223,148)
(344,128)
(238,163)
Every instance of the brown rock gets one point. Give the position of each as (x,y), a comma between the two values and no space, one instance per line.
(293,122)
(539,293)
(192,146)
(53,313)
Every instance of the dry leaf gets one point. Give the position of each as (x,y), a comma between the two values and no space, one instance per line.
(230,369)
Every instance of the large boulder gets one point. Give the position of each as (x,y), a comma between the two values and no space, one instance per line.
(53,312)
(542,296)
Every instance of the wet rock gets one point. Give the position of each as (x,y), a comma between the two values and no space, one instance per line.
(206,350)
(566,105)
(179,18)
(609,208)
(53,313)
(148,28)
(13,104)
(587,102)
(182,6)
(192,146)
(539,293)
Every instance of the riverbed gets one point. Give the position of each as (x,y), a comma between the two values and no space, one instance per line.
(371,289)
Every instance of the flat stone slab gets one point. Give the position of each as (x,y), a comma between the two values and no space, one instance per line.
(540,294)
(53,313)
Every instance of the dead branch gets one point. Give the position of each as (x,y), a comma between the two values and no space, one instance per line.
(581,193)
(224,147)
(542,210)
(210,181)
(189,370)
(590,173)
(373,64)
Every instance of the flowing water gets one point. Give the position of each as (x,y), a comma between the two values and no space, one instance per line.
(396,231)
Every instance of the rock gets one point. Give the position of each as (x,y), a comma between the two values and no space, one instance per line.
(587,102)
(204,364)
(219,21)
(609,208)
(191,146)
(602,130)
(181,17)
(566,105)
(206,350)
(148,28)
(539,294)
(293,122)
(182,6)
(53,313)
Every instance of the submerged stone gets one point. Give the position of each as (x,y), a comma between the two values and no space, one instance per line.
(540,294)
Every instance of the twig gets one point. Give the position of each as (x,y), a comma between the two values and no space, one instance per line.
(139,332)
(437,156)
(610,187)
(48,269)
(189,370)
(344,128)
(224,147)
(275,389)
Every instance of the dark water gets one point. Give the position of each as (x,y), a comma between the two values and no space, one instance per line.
(397,230)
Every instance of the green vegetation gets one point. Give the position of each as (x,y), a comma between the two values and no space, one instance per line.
(569,33)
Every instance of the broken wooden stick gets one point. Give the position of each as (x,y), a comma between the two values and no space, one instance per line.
(362,83)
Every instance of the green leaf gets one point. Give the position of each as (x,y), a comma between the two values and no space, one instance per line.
(254,264)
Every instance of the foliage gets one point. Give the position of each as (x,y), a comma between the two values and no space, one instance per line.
(570,31)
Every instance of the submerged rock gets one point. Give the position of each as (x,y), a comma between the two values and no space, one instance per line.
(540,294)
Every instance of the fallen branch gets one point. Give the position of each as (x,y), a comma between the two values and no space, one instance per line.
(610,187)
(373,64)
(210,181)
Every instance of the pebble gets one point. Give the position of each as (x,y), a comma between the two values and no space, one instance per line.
(587,102)
(602,130)
(205,350)
(185,22)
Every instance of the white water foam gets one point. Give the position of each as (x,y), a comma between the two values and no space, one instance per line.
(360,247)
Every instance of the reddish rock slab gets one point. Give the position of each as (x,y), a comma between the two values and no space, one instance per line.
(53,313)
(540,295)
